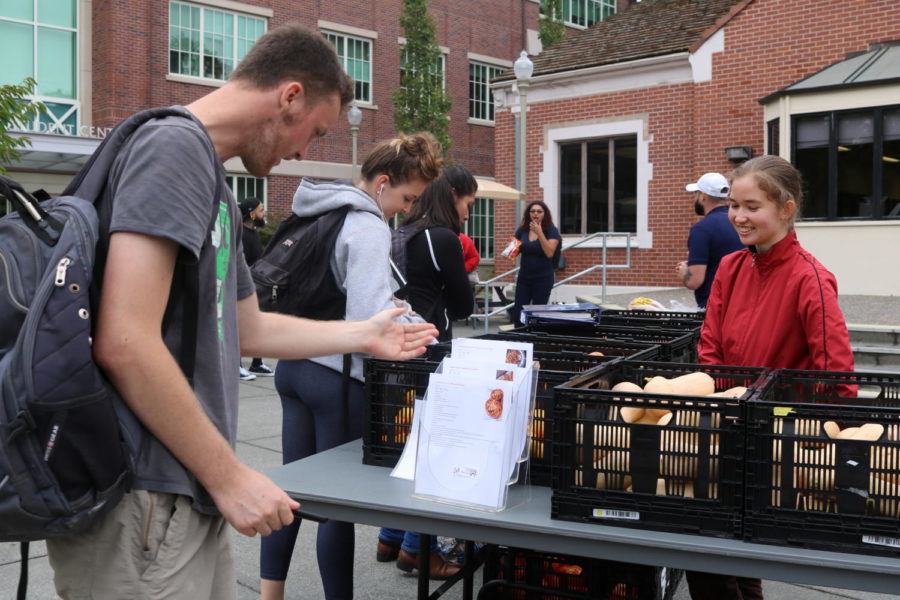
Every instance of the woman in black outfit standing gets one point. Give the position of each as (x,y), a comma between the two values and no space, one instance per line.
(540,243)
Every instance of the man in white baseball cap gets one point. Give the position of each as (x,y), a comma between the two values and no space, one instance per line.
(710,239)
(711,184)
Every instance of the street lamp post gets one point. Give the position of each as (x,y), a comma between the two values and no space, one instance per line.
(354,117)
(523,68)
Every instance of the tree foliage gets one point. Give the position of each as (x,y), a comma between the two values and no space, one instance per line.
(551,29)
(421,103)
(16,111)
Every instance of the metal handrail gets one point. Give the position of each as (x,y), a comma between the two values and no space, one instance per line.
(602,266)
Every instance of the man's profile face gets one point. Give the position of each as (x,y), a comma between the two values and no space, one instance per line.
(308,122)
(287,136)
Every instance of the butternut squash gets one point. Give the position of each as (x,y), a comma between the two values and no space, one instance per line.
(691,384)
(735,392)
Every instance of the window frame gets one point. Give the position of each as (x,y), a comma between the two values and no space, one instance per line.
(488,101)
(235,180)
(366,84)
(586,130)
(236,40)
(56,123)
(483,210)
(587,7)
(833,148)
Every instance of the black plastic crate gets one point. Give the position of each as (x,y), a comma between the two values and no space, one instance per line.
(805,487)
(390,390)
(546,576)
(392,386)
(677,345)
(653,318)
(684,476)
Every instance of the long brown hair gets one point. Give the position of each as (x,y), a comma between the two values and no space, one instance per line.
(546,221)
(437,204)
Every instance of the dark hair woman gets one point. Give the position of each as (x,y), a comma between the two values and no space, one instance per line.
(437,283)
(540,241)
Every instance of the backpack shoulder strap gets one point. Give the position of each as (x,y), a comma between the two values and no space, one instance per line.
(91,179)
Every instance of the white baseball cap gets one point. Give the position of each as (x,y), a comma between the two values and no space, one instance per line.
(712,184)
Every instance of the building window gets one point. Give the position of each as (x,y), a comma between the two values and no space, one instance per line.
(207,42)
(245,186)
(40,40)
(481,99)
(356,56)
(773,133)
(850,161)
(584,13)
(598,185)
(480,227)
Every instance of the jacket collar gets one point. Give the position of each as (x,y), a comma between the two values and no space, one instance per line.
(777,254)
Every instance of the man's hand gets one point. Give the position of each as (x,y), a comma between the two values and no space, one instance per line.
(386,338)
(681,269)
(252,503)
(691,276)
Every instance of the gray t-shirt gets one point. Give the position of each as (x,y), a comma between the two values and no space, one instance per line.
(162,184)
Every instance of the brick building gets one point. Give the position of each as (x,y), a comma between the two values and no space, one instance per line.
(97,61)
(622,115)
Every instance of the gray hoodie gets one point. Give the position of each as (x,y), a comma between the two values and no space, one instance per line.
(360,259)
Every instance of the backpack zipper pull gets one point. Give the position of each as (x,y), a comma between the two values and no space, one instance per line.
(61,267)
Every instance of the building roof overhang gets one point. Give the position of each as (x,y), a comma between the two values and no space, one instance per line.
(52,153)
(878,66)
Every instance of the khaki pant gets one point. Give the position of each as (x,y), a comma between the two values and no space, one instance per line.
(152,546)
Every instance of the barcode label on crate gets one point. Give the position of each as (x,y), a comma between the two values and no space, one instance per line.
(606,513)
(881,541)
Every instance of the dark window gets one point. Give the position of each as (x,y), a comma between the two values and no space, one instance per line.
(850,161)
(598,185)
(773,130)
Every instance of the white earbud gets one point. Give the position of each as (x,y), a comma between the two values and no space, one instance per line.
(381,189)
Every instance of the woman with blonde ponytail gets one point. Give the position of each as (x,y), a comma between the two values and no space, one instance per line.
(313,392)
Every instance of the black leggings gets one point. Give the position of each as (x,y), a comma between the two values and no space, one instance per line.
(312,422)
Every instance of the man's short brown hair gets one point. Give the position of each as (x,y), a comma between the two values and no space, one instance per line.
(295,52)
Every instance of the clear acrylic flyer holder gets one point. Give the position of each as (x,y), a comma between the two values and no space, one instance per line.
(448,470)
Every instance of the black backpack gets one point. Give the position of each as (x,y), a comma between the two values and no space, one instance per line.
(63,462)
(293,276)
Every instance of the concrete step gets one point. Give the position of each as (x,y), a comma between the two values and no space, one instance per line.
(874,335)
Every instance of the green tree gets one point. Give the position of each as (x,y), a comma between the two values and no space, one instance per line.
(16,111)
(421,104)
(551,28)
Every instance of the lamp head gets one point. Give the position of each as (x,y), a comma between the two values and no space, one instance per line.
(523,67)
(354,115)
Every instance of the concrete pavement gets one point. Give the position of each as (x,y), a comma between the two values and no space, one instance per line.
(259,444)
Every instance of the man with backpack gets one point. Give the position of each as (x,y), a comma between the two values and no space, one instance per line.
(168,536)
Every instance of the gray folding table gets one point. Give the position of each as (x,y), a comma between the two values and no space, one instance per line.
(335,484)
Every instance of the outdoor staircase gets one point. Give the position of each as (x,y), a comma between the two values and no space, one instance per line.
(875,348)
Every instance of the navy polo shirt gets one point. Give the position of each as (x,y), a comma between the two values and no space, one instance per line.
(710,239)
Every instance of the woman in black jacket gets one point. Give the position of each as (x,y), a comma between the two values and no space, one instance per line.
(438,287)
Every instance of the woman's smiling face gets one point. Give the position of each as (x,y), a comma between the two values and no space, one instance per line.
(758,219)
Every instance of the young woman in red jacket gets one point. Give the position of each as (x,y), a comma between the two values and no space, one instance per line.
(771,305)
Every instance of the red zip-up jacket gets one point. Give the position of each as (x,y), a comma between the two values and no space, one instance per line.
(777,310)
